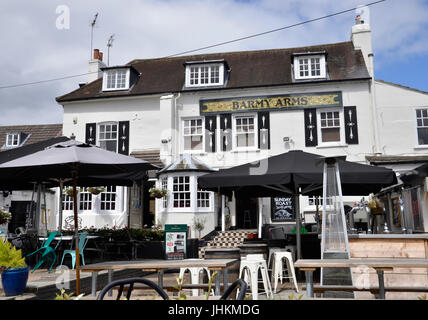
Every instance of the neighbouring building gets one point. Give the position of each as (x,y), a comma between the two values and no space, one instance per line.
(19,203)
(195,113)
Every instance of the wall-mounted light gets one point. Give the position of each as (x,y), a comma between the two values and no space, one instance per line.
(75,120)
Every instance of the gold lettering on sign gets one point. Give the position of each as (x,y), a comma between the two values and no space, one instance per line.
(279,102)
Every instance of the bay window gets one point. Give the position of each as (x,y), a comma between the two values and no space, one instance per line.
(181,193)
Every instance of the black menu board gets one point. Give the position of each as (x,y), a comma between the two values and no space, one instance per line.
(283,209)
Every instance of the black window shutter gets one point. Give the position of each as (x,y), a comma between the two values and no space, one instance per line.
(226,132)
(210,130)
(351,126)
(123,137)
(311,136)
(264,130)
(91,133)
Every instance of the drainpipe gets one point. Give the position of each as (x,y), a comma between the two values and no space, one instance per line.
(176,125)
(376,141)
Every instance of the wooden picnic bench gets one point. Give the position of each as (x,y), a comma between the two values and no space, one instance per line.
(380,265)
(159,266)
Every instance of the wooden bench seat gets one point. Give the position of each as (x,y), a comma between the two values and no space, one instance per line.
(373,290)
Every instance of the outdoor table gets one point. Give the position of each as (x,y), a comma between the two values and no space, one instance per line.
(380,265)
(159,266)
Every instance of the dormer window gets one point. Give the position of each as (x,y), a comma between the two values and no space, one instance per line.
(116,79)
(12,139)
(309,67)
(204,74)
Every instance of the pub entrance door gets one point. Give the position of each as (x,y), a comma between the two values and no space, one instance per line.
(246,212)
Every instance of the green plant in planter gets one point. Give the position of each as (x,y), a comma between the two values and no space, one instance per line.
(4,217)
(14,271)
(10,258)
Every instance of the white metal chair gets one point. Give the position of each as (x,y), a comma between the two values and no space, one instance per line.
(194,276)
(278,273)
(249,269)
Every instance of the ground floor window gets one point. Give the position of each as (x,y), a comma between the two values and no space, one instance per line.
(85,199)
(181,192)
(203,199)
(67,203)
(108,198)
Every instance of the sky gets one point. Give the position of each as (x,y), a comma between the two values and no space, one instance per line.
(40,41)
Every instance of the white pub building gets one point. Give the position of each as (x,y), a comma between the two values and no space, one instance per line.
(194,114)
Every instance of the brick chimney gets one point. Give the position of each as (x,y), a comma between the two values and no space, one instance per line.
(95,66)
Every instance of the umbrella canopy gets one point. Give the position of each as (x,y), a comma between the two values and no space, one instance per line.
(15,153)
(58,160)
(287,172)
(71,159)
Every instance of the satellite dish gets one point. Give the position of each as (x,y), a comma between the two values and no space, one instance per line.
(363,12)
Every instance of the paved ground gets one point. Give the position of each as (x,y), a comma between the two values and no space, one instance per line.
(41,279)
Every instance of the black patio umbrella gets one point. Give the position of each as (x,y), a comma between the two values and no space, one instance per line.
(295,173)
(72,160)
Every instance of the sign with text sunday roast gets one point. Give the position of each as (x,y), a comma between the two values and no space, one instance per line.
(283,209)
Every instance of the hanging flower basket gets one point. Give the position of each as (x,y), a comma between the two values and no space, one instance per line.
(69,191)
(96,190)
(158,193)
(4,217)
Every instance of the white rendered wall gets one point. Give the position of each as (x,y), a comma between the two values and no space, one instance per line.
(397,119)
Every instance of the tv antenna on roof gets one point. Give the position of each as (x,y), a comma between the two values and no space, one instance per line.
(92,31)
(109,44)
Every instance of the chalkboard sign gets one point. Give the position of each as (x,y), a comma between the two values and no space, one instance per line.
(283,209)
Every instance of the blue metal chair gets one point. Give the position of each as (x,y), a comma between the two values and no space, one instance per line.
(83,240)
(47,252)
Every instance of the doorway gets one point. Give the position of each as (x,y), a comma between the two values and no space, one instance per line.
(19,211)
(246,212)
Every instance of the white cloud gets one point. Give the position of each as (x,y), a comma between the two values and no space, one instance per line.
(34,49)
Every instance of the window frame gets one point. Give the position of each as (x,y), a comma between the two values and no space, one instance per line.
(13,135)
(183,120)
(191,186)
(116,200)
(341,127)
(98,139)
(85,191)
(164,183)
(210,66)
(296,63)
(234,132)
(116,71)
(417,127)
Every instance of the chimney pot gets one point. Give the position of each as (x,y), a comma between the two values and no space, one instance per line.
(100,56)
(96,54)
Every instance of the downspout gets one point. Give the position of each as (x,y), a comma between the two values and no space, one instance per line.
(176,123)
(376,147)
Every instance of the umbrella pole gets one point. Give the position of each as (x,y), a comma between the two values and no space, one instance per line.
(76,232)
(298,236)
(61,186)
